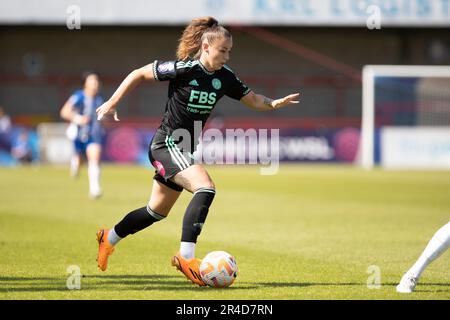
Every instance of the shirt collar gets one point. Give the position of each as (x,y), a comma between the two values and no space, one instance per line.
(204,69)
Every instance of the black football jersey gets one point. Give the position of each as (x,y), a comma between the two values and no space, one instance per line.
(194,92)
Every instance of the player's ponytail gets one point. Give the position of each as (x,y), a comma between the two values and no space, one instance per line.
(190,43)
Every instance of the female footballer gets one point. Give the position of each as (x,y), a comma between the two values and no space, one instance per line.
(197,80)
(80,110)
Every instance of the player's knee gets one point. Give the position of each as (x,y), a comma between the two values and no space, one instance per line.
(160,208)
(93,162)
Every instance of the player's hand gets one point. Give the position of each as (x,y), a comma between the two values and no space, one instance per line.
(290,99)
(105,109)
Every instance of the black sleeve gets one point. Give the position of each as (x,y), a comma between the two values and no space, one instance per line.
(164,70)
(236,89)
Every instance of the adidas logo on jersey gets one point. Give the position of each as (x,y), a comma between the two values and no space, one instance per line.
(194,83)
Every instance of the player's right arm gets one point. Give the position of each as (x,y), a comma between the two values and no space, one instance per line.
(128,84)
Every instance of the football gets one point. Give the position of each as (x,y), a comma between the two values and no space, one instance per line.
(218,269)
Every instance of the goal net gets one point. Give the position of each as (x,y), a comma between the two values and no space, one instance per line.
(405,117)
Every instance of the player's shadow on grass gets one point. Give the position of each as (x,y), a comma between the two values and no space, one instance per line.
(423,284)
(13,279)
(31,284)
(135,282)
(151,282)
(420,284)
(87,282)
(158,282)
(338,284)
(302,284)
(128,276)
(103,282)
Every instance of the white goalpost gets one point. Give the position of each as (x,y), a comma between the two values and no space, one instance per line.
(410,108)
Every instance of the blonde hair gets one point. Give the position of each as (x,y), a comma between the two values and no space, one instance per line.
(190,43)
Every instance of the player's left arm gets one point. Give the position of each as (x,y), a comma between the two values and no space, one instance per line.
(262,103)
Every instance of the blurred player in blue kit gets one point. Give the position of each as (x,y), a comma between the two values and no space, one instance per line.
(85,130)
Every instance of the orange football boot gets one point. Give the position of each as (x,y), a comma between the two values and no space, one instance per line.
(189,267)
(105,249)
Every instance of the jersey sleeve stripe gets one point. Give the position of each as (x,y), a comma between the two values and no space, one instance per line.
(155,74)
(189,64)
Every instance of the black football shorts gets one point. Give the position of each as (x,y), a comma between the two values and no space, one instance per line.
(168,158)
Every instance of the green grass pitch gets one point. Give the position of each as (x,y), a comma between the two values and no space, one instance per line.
(308,232)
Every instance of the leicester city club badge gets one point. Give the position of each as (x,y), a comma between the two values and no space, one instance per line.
(216,84)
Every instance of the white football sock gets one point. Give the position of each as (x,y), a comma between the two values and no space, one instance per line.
(187,250)
(74,166)
(437,245)
(94,178)
(113,238)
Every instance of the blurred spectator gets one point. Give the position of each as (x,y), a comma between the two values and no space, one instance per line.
(5,130)
(21,149)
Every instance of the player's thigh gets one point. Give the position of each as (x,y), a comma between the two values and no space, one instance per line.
(162,198)
(94,152)
(193,178)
